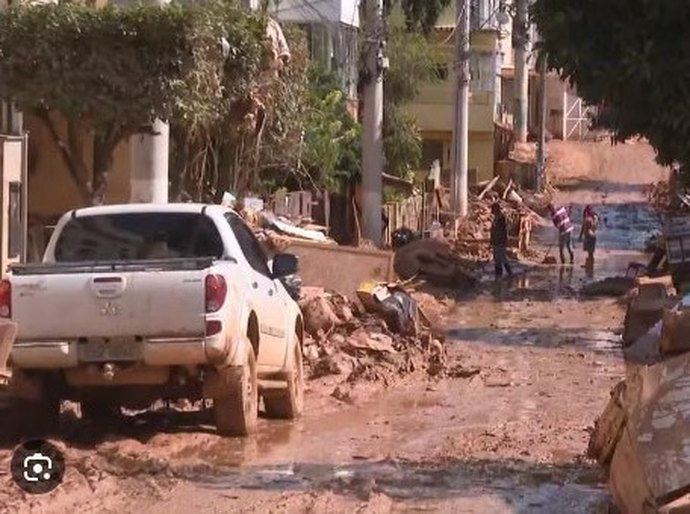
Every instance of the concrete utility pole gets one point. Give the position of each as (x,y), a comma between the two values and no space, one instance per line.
(541,145)
(372,130)
(460,143)
(521,47)
(150,154)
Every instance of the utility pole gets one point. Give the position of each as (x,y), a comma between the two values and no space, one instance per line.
(149,158)
(521,47)
(460,143)
(541,145)
(372,130)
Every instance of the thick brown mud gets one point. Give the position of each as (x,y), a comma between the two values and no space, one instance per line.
(531,362)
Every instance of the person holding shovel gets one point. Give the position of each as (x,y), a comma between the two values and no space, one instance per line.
(561,220)
(499,241)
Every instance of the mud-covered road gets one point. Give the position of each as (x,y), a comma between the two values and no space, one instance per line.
(533,362)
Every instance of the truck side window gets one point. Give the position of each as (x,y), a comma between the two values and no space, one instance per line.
(249,245)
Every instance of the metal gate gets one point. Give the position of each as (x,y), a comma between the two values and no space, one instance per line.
(577,117)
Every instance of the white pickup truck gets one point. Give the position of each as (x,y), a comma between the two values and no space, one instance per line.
(136,303)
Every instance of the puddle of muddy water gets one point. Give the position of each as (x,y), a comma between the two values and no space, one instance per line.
(410,484)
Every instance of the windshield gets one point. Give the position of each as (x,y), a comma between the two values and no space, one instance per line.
(138,236)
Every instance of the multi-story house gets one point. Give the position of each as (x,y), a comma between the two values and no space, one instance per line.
(434,108)
(491,92)
(332,28)
(565,113)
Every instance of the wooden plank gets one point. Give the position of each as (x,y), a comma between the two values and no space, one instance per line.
(488,187)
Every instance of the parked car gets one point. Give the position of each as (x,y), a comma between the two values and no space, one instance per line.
(140,302)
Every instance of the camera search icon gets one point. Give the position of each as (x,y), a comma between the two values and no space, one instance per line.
(37,467)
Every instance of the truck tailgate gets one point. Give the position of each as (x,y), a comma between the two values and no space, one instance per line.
(109,304)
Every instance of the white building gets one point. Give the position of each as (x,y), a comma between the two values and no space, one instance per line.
(332,28)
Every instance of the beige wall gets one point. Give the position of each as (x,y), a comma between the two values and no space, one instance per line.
(51,188)
(481,152)
(433,108)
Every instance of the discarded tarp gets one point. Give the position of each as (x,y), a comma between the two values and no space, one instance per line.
(393,303)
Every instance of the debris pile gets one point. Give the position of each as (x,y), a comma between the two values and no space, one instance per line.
(435,261)
(659,196)
(379,340)
(474,232)
(640,438)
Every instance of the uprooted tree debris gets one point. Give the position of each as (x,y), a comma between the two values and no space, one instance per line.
(367,343)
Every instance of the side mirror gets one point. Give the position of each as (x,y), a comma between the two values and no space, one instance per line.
(285,264)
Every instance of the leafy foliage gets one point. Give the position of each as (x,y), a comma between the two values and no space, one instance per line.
(110,71)
(420,15)
(413,61)
(630,57)
(401,142)
(332,136)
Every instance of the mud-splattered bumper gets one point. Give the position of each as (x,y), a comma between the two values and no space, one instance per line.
(151,352)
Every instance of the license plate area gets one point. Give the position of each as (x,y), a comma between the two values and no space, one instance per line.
(110,350)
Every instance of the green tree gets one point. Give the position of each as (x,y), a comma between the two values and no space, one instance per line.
(109,72)
(332,137)
(629,57)
(420,15)
(413,62)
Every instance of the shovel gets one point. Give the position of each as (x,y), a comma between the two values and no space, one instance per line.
(547,258)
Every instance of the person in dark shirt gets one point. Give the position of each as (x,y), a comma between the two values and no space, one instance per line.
(499,241)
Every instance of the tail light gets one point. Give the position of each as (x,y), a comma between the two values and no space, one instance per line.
(213,327)
(216,290)
(5,299)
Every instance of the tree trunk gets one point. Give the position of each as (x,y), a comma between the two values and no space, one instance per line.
(103,149)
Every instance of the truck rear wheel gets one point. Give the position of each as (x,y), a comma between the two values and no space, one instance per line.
(288,403)
(236,411)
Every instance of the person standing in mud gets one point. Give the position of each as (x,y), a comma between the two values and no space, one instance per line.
(588,234)
(561,220)
(499,241)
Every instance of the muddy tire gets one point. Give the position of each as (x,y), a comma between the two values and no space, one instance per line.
(237,410)
(288,403)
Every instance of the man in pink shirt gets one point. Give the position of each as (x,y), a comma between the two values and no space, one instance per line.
(561,220)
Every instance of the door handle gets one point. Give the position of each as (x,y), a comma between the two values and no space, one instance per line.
(255,285)
(270,292)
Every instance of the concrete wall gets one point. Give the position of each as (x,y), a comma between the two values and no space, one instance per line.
(481,152)
(433,108)
(51,188)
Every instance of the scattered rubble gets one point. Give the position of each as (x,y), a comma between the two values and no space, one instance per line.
(640,437)
(344,339)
